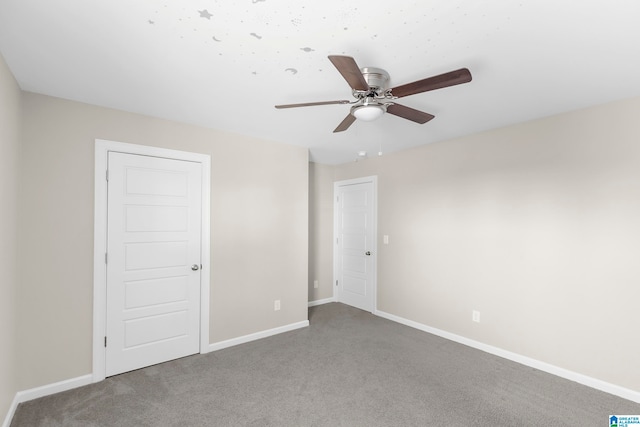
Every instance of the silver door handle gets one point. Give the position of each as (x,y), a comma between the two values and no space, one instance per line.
(195,267)
(367,253)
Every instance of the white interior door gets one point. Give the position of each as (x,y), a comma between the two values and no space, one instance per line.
(355,229)
(153,260)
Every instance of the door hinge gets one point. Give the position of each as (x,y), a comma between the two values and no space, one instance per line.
(337,240)
(336,283)
(105,341)
(105,257)
(107,175)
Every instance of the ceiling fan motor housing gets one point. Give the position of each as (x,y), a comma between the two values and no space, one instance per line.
(377,79)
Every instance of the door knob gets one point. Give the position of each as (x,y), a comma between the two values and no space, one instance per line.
(195,267)
(367,253)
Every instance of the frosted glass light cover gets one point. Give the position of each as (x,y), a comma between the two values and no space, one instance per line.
(368,112)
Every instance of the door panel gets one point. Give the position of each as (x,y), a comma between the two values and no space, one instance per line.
(146,293)
(356,264)
(154,329)
(149,182)
(355,286)
(154,232)
(155,255)
(156,218)
(355,242)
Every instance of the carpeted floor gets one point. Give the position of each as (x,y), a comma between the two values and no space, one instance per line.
(349,368)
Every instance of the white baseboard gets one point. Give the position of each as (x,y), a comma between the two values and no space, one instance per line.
(45,390)
(321,301)
(256,336)
(625,393)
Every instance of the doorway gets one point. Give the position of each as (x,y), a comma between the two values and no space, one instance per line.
(151,263)
(355,239)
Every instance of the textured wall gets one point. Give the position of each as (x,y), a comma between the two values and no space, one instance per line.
(535,226)
(259,229)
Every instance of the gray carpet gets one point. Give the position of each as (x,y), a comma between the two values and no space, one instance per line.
(349,368)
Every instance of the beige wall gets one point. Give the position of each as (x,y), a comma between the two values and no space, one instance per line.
(259,230)
(320,231)
(537,226)
(9,156)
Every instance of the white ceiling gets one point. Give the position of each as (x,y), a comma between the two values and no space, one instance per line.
(224,64)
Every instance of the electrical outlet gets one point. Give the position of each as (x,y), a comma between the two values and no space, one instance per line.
(276,305)
(385,239)
(315,284)
(475,316)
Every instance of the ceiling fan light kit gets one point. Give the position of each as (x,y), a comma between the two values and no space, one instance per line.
(369,86)
(368,112)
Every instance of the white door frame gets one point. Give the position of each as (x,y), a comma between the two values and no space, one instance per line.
(103,148)
(336,188)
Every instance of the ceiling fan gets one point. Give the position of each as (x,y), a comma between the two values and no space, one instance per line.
(369,87)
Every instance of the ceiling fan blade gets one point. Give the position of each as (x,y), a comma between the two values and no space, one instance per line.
(347,66)
(409,113)
(451,78)
(312,104)
(344,125)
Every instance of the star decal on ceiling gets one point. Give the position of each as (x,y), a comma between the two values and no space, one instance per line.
(205,14)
